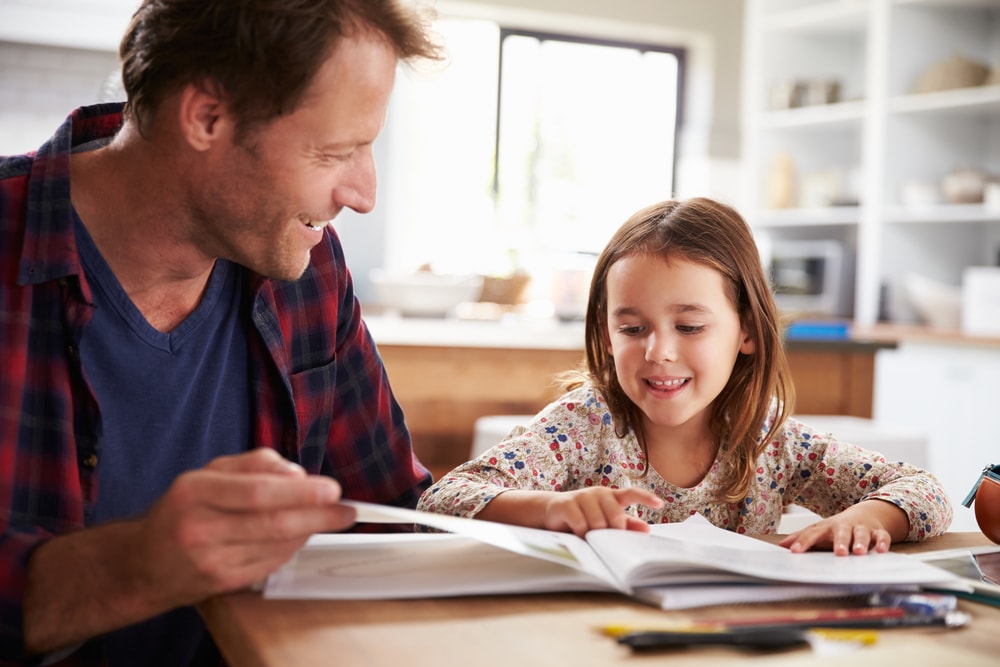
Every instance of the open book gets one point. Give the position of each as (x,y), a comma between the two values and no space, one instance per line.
(675,566)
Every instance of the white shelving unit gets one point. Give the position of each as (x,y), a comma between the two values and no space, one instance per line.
(854,157)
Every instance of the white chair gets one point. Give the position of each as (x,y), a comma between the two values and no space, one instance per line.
(492,429)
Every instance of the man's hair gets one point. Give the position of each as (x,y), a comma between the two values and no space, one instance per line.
(712,234)
(260,54)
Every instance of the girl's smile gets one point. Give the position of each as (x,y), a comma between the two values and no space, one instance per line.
(667,387)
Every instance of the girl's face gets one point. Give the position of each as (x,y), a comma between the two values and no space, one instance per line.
(674,335)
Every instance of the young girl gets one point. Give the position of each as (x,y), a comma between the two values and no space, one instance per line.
(685,407)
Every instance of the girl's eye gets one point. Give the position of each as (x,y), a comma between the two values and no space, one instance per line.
(690,328)
(630,330)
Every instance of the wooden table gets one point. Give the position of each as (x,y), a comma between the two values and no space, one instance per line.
(545,629)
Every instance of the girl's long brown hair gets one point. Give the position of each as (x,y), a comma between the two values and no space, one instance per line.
(712,234)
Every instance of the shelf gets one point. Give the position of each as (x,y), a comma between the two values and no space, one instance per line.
(825,115)
(962,101)
(807,217)
(955,4)
(942,213)
(882,139)
(837,16)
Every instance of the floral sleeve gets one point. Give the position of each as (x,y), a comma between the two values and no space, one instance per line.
(568,445)
(828,476)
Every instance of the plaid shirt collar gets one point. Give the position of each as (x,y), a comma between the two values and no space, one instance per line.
(49,249)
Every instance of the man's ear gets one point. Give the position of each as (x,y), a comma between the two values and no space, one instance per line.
(202,115)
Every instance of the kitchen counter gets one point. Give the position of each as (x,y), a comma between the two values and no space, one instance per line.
(511,332)
(549,334)
(899,333)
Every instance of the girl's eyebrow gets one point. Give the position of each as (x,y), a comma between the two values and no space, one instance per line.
(624,310)
(677,308)
(691,308)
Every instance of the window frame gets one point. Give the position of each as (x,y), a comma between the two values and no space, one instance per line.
(678,52)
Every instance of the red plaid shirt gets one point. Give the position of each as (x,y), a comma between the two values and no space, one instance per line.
(321,395)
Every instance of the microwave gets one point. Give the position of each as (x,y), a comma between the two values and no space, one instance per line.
(811,277)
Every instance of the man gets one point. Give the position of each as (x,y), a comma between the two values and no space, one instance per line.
(188,388)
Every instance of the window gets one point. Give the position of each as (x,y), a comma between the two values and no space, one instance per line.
(526,147)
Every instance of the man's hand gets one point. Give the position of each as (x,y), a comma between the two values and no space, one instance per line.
(232,523)
(217,529)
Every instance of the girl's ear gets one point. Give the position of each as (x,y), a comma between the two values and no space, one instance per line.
(747,345)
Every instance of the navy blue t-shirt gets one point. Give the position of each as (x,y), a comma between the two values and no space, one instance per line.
(169,403)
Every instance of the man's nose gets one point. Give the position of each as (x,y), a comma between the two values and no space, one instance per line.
(357,191)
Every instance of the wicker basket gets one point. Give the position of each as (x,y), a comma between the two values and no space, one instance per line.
(954,72)
(505,291)
(994,78)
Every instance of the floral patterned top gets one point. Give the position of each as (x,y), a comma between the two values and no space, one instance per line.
(571,444)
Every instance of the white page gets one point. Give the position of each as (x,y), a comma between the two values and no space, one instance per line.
(563,548)
(689,596)
(696,529)
(416,565)
(643,560)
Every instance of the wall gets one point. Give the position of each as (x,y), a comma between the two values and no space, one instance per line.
(40,85)
(41,81)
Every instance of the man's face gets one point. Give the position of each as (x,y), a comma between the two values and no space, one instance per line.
(268,198)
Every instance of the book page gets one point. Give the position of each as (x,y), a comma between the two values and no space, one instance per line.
(416,565)
(645,560)
(689,596)
(562,548)
(696,529)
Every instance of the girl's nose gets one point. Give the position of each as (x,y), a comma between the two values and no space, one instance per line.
(660,347)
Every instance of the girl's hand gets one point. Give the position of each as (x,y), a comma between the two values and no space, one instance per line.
(869,525)
(597,507)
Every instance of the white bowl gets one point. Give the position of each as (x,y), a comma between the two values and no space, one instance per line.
(938,304)
(424,293)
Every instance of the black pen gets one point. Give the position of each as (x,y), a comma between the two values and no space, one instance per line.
(752,638)
(783,635)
